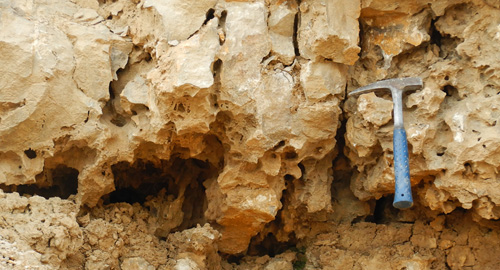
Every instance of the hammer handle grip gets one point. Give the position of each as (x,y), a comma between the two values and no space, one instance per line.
(402,195)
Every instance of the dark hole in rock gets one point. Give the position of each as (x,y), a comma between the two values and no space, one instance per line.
(30,153)
(436,36)
(279,145)
(180,107)
(290,155)
(209,16)
(223,16)
(383,212)
(216,69)
(302,168)
(295,41)
(233,259)
(119,120)
(450,90)
(60,182)
(441,152)
(289,177)
(269,245)
(172,190)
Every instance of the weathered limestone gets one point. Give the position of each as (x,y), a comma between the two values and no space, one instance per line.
(48,226)
(221,89)
(180,18)
(322,79)
(451,123)
(281,29)
(329,29)
(169,132)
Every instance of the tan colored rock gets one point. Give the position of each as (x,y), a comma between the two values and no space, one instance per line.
(199,251)
(375,110)
(426,101)
(281,23)
(136,263)
(17,256)
(329,29)
(360,138)
(248,203)
(322,79)
(42,80)
(392,28)
(181,19)
(247,42)
(188,66)
(49,226)
(450,123)
(163,134)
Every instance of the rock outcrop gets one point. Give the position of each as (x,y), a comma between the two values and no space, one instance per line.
(140,134)
(451,123)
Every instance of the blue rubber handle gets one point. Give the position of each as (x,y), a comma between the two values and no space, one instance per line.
(402,195)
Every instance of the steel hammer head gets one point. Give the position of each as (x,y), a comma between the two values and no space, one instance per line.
(396,86)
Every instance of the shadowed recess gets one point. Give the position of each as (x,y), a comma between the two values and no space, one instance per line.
(61,182)
(176,184)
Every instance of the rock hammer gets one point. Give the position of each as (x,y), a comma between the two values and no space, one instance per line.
(402,194)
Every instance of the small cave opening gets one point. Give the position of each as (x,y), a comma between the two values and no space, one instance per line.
(436,36)
(290,155)
(383,211)
(270,245)
(209,15)
(441,151)
(61,181)
(30,153)
(452,94)
(450,90)
(170,189)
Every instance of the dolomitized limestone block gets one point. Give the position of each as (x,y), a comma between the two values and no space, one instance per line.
(181,18)
(281,23)
(329,29)
(322,79)
(375,110)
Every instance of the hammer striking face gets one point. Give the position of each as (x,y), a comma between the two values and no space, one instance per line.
(402,197)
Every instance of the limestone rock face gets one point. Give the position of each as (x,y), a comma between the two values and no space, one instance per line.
(329,29)
(104,89)
(141,134)
(451,123)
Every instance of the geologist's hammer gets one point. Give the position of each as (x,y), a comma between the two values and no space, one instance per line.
(402,195)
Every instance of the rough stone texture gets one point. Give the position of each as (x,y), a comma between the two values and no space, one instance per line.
(439,242)
(451,123)
(140,134)
(329,29)
(49,227)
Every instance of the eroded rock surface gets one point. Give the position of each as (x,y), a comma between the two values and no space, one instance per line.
(140,134)
(451,123)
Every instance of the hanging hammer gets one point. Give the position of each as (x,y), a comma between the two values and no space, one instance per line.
(402,195)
